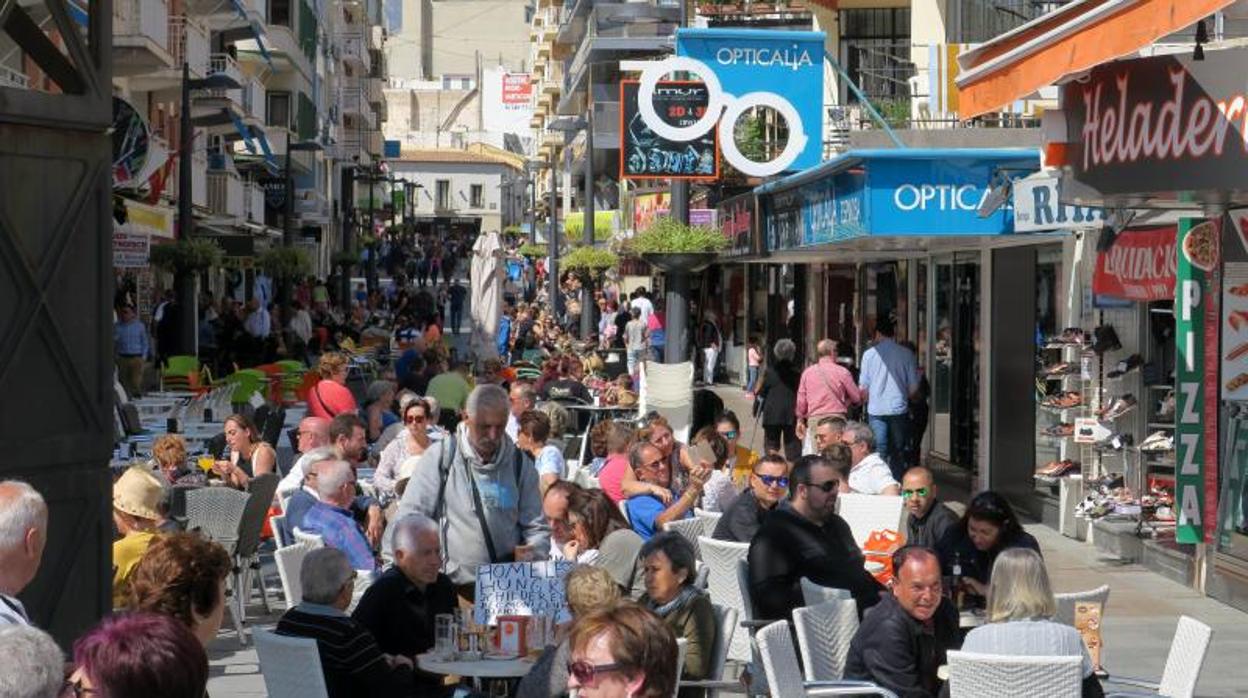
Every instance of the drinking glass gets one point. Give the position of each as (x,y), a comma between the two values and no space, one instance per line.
(445,636)
(205,463)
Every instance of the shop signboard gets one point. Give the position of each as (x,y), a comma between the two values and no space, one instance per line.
(936,197)
(1038,206)
(1139,266)
(130,250)
(742,69)
(782,216)
(1162,124)
(646,155)
(1196,378)
(832,208)
(507,101)
(736,220)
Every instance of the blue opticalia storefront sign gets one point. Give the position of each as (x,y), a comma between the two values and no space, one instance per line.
(784,63)
(904,192)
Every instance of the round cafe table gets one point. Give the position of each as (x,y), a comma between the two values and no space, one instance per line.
(475,669)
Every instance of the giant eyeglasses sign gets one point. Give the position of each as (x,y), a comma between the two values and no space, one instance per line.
(743,69)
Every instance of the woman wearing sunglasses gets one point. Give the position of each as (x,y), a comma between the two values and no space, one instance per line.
(624,651)
(588,590)
(741,460)
(414,441)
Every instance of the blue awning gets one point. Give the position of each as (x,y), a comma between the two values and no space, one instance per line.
(269,161)
(78,12)
(257,29)
(242,131)
(893,193)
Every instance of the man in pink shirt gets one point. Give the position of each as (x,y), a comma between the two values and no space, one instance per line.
(826,389)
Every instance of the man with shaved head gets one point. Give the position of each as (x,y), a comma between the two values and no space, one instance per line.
(313,434)
(928,521)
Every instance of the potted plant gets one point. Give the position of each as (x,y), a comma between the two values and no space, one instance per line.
(533,250)
(186,256)
(676,247)
(284,262)
(589,262)
(345,258)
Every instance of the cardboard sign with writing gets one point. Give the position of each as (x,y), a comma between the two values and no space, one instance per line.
(521,589)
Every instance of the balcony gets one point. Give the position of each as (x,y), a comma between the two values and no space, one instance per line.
(225,64)
(140,37)
(253,203)
(353,101)
(354,49)
(253,98)
(188,41)
(225,194)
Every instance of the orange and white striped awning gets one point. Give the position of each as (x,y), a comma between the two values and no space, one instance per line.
(1067,41)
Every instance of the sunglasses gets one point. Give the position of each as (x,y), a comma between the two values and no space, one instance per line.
(586,674)
(921,492)
(774,480)
(415,419)
(826,486)
(731,434)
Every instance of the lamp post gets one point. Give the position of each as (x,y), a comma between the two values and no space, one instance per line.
(587,235)
(565,125)
(288,213)
(184,281)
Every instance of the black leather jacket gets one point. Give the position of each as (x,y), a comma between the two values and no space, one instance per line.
(900,653)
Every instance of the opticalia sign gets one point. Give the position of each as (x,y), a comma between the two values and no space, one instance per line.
(743,69)
(939,196)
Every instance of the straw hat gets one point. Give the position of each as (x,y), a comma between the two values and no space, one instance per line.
(138,493)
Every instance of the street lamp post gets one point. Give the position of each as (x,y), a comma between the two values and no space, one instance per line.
(565,126)
(184,281)
(587,235)
(288,213)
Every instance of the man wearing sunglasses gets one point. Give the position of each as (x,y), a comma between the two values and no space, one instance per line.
(769,483)
(804,537)
(929,520)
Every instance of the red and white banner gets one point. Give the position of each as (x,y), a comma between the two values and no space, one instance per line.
(1140,265)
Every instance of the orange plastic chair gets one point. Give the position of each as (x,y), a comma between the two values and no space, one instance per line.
(310,379)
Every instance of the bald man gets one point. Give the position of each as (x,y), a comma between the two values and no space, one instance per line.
(313,434)
(928,521)
(826,389)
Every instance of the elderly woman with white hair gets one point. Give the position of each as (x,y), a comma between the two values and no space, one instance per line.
(778,399)
(352,662)
(482,490)
(1021,607)
(399,608)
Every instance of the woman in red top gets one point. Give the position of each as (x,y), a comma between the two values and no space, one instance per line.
(331,397)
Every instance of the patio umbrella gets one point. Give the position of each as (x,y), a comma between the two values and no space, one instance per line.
(487,274)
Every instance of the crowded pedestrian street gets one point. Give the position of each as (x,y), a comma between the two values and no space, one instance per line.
(646,349)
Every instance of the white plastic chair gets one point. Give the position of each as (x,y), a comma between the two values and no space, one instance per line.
(725,627)
(973,675)
(302,536)
(291,666)
(690,529)
(870,512)
(784,676)
(814,594)
(668,390)
(824,632)
(1066,603)
(681,648)
(710,519)
(1183,663)
(724,585)
(288,561)
(278,524)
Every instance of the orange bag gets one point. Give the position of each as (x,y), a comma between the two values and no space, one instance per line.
(879,548)
(267,532)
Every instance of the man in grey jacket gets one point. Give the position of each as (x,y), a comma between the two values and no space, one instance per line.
(483,468)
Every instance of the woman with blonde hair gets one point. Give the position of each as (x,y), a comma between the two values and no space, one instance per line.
(588,589)
(331,397)
(1021,607)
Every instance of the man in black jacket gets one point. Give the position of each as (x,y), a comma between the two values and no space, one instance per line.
(804,537)
(928,520)
(904,640)
(743,518)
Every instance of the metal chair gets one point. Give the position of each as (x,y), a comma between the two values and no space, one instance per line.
(722,560)
(690,529)
(973,675)
(247,550)
(288,561)
(814,594)
(291,666)
(824,632)
(784,676)
(217,513)
(1183,663)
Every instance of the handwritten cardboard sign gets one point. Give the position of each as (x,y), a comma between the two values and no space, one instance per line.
(521,589)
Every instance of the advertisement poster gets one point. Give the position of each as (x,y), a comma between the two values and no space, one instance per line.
(644,155)
(736,220)
(1139,266)
(507,101)
(1196,419)
(1235,331)
(130,250)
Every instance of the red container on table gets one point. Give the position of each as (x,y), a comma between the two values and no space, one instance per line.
(512,635)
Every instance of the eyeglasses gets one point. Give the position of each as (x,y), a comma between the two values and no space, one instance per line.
(76,689)
(921,492)
(586,674)
(774,480)
(415,419)
(657,463)
(730,434)
(826,486)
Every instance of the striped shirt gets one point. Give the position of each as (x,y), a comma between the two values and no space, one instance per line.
(350,659)
(1030,638)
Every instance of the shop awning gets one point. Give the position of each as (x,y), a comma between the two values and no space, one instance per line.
(1065,42)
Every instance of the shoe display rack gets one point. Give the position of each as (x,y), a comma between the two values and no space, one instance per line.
(1067,389)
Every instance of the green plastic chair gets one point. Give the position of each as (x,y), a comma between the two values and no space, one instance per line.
(181,365)
(292,379)
(247,382)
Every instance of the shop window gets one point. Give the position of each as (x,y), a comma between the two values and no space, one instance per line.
(280,13)
(476,196)
(278,113)
(443,194)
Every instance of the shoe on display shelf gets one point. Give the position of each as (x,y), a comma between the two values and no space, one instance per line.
(1071,336)
(1158,442)
(1063,401)
(1061,430)
(1165,407)
(1063,368)
(1117,407)
(1126,366)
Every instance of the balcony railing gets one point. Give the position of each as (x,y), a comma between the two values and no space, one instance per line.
(353,100)
(355,49)
(225,194)
(253,203)
(139,26)
(225,64)
(188,42)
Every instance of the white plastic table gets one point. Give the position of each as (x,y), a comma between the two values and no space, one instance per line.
(477,669)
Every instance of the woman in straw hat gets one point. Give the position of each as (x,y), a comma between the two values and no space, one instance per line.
(137,497)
